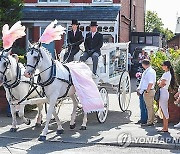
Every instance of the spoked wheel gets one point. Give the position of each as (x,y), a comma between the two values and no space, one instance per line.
(102,115)
(124,91)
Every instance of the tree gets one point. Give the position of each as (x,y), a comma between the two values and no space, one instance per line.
(10,11)
(153,22)
(168,33)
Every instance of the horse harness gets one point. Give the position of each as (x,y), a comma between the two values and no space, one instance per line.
(52,77)
(17,81)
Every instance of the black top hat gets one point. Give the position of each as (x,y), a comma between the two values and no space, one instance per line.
(75,22)
(93,23)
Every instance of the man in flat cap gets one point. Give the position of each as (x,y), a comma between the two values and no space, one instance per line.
(93,43)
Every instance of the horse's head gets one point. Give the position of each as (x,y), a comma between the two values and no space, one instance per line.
(4,63)
(34,57)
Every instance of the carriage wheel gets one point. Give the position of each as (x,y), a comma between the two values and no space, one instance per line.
(124,91)
(102,115)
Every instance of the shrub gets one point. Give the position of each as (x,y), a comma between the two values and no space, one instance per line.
(173,56)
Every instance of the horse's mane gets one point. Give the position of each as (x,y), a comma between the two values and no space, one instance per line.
(43,49)
(46,50)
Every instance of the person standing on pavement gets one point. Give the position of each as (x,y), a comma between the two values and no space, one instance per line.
(167,79)
(149,91)
(146,93)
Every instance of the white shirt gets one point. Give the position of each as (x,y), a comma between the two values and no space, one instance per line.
(93,33)
(148,76)
(166,76)
(74,32)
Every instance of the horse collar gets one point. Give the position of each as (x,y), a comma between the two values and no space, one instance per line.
(51,77)
(17,80)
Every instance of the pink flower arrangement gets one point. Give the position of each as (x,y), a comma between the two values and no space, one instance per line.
(138,75)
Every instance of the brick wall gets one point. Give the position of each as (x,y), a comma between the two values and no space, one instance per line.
(174,42)
(59,44)
(174,111)
(140,15)
(3,101)
(36,33)
(137,17)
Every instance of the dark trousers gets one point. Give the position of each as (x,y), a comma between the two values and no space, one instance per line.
(94,57)
(69,56)
(143,109)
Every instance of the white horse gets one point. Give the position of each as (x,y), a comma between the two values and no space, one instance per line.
(17,87)
(55,84)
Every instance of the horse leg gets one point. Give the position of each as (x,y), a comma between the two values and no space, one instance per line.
(39,118)
(52,103)
(14,121)
(60,129)
(21,115)
(83,126)
(73,115)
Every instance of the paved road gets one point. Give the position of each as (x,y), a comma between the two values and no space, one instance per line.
(32,147)
(77,141)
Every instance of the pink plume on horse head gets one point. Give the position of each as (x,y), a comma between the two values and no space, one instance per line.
(12,34)
(52,32)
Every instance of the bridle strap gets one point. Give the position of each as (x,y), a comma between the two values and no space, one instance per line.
(8,62)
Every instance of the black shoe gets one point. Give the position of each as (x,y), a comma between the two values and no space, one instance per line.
(139,122)
(9,115)
(150,124)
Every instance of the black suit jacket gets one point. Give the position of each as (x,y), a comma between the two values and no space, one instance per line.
(75,40)
(94,43)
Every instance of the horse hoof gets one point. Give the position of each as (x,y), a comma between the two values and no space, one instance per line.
(42,138)
(61,131)
(72,126)
(83,128)
(13,130)
(28,122)
(38,125)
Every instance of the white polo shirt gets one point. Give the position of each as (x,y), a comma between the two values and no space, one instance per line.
(148,76)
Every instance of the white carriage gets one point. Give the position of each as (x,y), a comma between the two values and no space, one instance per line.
(112,73)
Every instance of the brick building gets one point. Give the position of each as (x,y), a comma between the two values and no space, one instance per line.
(175,41)
(116,18)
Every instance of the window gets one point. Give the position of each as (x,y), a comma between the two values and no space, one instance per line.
(102,1)
(43,0)
(134,17)
(149,40)
(53,1)
(142,40)
(135,39)
(87,28)
(111,29)
(105,29)
(99,29)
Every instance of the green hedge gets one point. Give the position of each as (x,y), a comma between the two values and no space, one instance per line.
(173,56)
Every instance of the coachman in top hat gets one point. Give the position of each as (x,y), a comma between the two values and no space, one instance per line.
(93,43)
(75,38)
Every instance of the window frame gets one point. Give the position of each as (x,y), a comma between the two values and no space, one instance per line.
(102,1)
(49,2)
